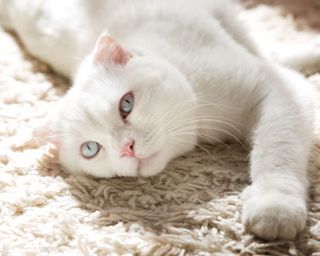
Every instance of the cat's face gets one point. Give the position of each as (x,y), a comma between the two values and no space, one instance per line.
(125,115)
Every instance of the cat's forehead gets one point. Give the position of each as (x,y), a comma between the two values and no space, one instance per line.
(99,89)
(115,80)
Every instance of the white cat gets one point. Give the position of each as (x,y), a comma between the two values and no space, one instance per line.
(162,76)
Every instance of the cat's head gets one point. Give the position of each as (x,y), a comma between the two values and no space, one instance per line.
(126,114)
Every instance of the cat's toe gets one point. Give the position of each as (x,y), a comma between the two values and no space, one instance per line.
(273,216)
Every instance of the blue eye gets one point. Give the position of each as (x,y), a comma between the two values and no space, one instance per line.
(90,149)
(126,105)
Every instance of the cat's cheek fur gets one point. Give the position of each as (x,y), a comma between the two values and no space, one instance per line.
(152,167)
(46,130)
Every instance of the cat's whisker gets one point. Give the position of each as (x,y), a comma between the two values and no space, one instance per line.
(204,103)
(160,120)
(209,127)
(204,98)
(148,142)
(172,126)
(181,142)
(176,107)
(199,134)
(239,140)
(207,120)
(193,107)
(194,133)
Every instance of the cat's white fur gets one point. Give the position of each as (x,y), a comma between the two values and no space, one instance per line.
(195,75)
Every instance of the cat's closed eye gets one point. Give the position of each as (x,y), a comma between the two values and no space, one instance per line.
(126,105)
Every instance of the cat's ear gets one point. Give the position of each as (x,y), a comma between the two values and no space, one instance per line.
(44,132)
(108,50)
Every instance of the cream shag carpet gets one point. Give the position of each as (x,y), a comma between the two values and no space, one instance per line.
(193,208)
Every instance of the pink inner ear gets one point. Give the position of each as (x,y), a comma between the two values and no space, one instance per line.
(109,50)
(44,134)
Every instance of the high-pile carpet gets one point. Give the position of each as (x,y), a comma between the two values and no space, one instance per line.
(193,208)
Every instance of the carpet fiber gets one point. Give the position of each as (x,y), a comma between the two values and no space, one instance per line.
(193,208)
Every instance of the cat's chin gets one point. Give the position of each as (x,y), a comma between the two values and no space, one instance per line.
(148,171)
(151,166)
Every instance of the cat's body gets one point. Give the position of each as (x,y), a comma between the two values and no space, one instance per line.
(193,75)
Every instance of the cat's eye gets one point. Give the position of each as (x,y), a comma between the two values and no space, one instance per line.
(90,149)
(126,105)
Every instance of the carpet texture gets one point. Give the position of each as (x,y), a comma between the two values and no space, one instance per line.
(193,208)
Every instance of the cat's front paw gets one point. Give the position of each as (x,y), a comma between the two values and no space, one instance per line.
(273,215)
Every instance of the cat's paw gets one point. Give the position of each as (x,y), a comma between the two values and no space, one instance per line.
(273,215)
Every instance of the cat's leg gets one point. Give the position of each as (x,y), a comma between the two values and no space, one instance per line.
(275,203)
(53,31)
(230,21)
(306,58)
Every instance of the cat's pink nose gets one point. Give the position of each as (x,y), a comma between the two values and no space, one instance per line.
(128,149)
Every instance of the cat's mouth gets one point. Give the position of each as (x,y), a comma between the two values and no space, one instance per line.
(143,162)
